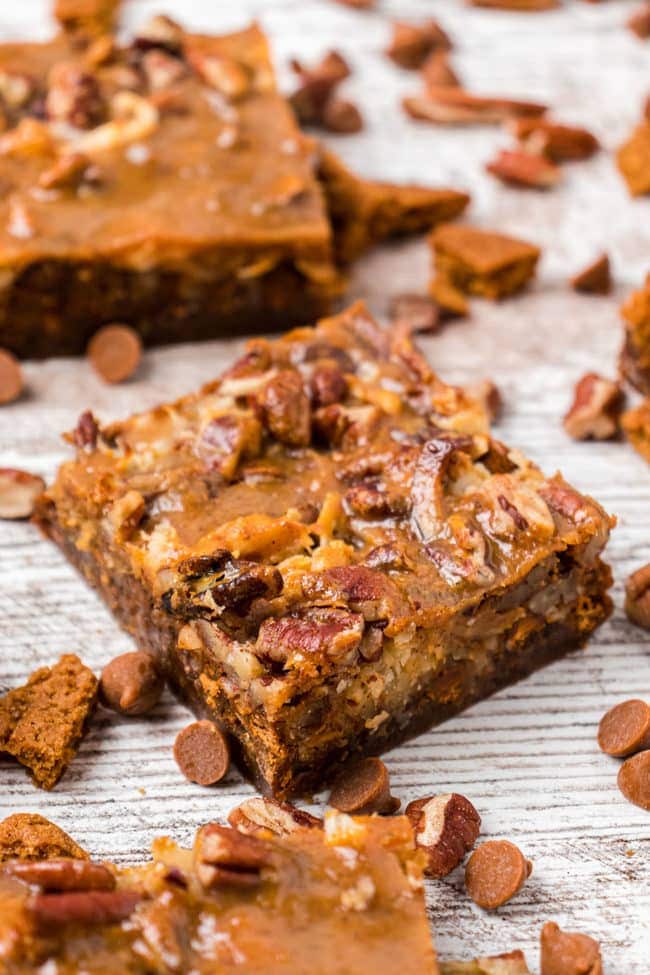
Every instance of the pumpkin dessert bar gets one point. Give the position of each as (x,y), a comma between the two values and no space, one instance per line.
(340,898)
(326,549)
(164,183)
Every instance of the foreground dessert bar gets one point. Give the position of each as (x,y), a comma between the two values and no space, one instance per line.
(326,549)
(165,184)
(343,900)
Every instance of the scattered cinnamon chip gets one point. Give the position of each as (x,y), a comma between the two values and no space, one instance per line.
(448,105)
(115,352)
(495,872)
(596,409)
(482,262)
(568,953)
(625,728)
(523,6)
(18,493)
(560,143)
(131,683)
(42,723)
(416,312)
(437,71)
(411,44)
(634,779)
(633,160)
(524,169)
(450,300)
(202,753)
(639,22)
(11,377)
(595,279)
(28,836)
(364,788)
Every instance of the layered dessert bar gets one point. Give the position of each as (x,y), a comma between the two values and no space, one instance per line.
(345,899)
(165,184)
(326,549)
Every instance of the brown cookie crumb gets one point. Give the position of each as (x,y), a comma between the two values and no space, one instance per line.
(28,836)
(495,872)
(636,427)
(18,493)
(625,728)
(568,953)
(363,789)
(202,753)
(11,377)
(595,278)
(450,300)
(637,597)
(42,723)
(115,352)
(634,779)
(131,684)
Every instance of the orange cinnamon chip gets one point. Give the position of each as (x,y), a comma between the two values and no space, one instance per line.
(115,352)
(202,753)
(634,779)
(625,729)
(495,872)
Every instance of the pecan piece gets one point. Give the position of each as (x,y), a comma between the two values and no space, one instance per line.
(495,872)
(225,75)
(286,409)
(596,409)
(489,396)
(447,105)
(73,96)
(438,72)
(88,907)
(227,440)
(411,44)
(428,488)
(363,789)
(446,827)
(560,143)
(525,170)
(637,597)
(226,857)
(639,22)
(210,584)
(568,953)
(595,279)
(416,313)
(342,116)
(63,874)
(280,818)
(18,493)
(159,31)
(332,632)
(316,86)
(371,500)
(85,434)
(365,590)
(327,384)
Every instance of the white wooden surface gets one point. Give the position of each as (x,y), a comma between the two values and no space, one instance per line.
(527,757)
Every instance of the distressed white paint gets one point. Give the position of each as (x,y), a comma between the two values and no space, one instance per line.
(527,758)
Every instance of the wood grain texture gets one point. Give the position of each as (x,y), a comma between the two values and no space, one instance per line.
(528,757)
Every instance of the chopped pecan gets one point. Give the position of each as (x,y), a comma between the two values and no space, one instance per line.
(489,396)
(446,828)
(49,911)
(15,89)
(339,425)
(372,500)
(364,590)
(342,116)
(428,487)
(560,143)
(85,434)
(386,556)
(418,313)
(316,351)
(411,44)
(164,928)
(596,409)
(524,169)
(126,514)
(63,874)
(74,96)
(446,105)
(316,86)
(161,70)
(639,22)
(281,818)
(286,409)
(18,493)
(333,632)
(437,71)
(595,279)
(226,857)
(226,584)
(226,440)
(327,384)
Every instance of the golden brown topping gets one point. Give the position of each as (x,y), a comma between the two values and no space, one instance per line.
(60,875)
(225,857)
(416,313)
(446,828)
(18,493)
(131,684)
(68,171)
(202,753)
(48,911)
(496,871)
(115,352)
(11,377)
(524,169)
(364,788)
(634,779)
(160,31)
(637,597)
(568,953)
(595,279)
(625,728)
(636,427)
(29,836)
(411,44)
(596,409)
(481,262)
(286,409)
(280,818)
(225,75)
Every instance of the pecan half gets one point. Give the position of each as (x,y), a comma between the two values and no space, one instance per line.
(63,874)
(49,911)
(226,857)
(227,440)
(364,590)
(286,409)
(428,488)
(327,384)
(596,409)
(446,827)
(331,632)
(524,169)
(279,818)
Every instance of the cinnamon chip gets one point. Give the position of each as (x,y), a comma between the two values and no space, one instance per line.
(625,729)
(411,44)
(595,279)
(364,789)
(495,872)
(524,169)
(115,352)
(634,779)
(202,753)
(11,377)
(18,493)
(568,953)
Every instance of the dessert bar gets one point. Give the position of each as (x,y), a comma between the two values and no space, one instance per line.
(326,549)
(166,184)
(345,899)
